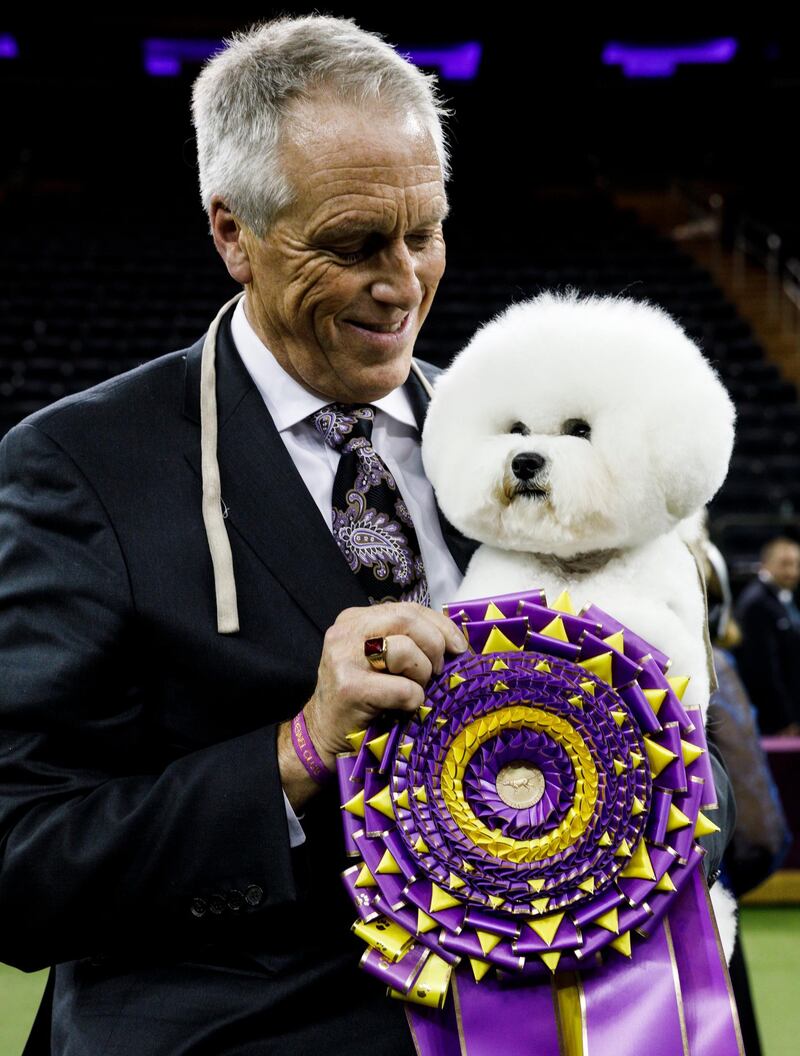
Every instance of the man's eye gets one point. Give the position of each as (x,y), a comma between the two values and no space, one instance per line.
(576,427)
(349,258)
(521,428)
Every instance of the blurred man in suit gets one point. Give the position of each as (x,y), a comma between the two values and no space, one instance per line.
(770,621)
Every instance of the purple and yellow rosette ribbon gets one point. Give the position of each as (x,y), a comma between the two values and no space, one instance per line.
(528,842)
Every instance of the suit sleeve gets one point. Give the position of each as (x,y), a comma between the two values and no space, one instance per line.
(94,857)
(759,649)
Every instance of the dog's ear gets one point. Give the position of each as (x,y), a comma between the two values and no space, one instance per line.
(691,447)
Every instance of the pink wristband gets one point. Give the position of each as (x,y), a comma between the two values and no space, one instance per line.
(306,752)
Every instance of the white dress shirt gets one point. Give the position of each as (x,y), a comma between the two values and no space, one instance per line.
(395,437)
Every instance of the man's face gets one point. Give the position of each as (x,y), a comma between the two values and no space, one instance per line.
(360,247)
(783,564)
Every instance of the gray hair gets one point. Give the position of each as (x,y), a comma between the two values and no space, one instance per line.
(244,93)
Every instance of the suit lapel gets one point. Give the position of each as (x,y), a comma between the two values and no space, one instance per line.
(267,501)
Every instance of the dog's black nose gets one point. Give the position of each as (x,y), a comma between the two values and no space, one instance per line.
(526,465)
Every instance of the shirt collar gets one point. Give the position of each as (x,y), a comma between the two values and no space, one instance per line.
(289,402)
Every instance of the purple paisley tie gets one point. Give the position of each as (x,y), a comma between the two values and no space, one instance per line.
(371,522)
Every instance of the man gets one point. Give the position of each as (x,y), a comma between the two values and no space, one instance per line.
(173,594)
(770,621)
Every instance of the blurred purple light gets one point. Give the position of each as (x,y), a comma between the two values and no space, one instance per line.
(164,56)
(8,47)
(455,62)
(661,60)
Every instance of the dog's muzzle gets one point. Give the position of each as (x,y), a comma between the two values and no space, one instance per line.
(526,467)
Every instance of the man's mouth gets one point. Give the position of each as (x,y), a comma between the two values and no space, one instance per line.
(380,328)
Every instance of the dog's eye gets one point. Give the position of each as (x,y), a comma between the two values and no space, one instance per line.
(521,428)
(576,427)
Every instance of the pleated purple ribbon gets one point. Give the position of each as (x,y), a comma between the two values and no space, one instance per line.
(527,875)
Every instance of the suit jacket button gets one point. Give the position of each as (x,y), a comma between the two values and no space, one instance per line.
(217,904)
(253,895)
(235,900)
(199,907)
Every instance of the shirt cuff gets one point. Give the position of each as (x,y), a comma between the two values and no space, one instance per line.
(296,834)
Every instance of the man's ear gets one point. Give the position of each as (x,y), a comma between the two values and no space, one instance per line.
(226,230)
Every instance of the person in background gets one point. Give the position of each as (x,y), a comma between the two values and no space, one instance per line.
(770,623)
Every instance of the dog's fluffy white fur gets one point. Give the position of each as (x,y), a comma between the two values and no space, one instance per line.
(631,432)
(605,517)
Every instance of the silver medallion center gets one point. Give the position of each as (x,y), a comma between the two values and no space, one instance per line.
(520,784)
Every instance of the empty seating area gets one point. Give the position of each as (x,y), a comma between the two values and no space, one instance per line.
(74,311)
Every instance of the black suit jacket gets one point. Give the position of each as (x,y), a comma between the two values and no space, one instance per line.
(767,656)
(142,824)
(144,836)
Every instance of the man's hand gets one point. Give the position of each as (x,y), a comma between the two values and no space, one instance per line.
(349,694)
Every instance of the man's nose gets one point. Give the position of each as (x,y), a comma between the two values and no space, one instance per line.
(397,282)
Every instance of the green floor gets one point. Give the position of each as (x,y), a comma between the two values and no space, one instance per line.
(772,948)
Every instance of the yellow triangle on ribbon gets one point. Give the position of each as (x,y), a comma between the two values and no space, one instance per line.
(378,745)
(676,819)
(616,641)
(622,944)
(387,865)
(421,846)
(623,851)
(539,905)
(456,680)
(655,698)
(576,702)
(498,687)
(420,794)
(382,801)
(637,808)
(440,722)
(499,665)
(365,878)
(466,866)
(546,927)
(479,968)
(618,717)
(704,826)
(587,885)
(356,739)
(497,642)
(402,800)
(588,686)
(600,666)
(495,901)
(563,603)
(555,629)
(619,767)
(355,805)
(537,884)
(455,883)
(487,940)
(551,959)
(542,666)
(639,867)
(679,684)
(405,749)
(423,711)
(425,923)
(665,883)
(690,752)
(609,921)
(605,840)
(637,760)
(493,613)
(658,756)
(441,899)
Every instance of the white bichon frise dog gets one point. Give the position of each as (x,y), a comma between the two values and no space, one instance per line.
(579,439)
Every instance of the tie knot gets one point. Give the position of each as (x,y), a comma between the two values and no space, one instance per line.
(341,422)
